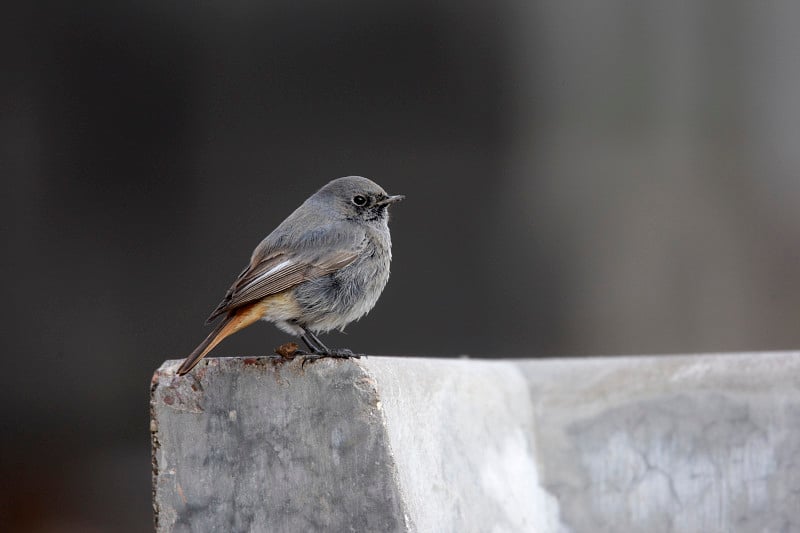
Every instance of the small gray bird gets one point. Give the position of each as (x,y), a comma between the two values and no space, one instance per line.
(320,269)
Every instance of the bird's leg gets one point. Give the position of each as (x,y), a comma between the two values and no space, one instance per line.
(314,344)
(319,350)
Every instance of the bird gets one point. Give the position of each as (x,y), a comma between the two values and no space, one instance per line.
(322,268)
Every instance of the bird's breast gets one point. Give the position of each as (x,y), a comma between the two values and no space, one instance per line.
(335,300)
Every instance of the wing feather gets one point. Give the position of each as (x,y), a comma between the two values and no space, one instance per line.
(276,273)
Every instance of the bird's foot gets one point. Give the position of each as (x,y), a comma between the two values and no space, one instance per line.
(344,353)
(339,353)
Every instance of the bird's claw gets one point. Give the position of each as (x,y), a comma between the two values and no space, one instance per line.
(342,353)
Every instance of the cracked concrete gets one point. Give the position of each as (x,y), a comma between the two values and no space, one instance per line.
(671,443)
(653,444)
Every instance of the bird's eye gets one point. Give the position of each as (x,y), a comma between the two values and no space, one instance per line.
(360,200)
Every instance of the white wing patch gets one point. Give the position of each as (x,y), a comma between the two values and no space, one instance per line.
(276,268)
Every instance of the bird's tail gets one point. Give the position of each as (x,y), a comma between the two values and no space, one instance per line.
(236,320)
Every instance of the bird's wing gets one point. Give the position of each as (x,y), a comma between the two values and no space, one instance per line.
(271,272)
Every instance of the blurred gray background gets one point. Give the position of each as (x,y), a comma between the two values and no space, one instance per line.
(583,178)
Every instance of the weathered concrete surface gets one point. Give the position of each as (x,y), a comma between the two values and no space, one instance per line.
(671,443)
(245,445)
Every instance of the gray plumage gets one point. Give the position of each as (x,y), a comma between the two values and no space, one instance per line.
(322,268)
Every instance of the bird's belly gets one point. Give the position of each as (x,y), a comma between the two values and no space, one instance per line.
(281,306)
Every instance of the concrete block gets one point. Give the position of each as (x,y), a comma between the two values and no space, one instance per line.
(672,443)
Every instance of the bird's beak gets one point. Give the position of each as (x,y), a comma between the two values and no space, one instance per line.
(391,199)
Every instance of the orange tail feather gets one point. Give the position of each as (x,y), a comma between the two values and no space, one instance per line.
(236,320)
